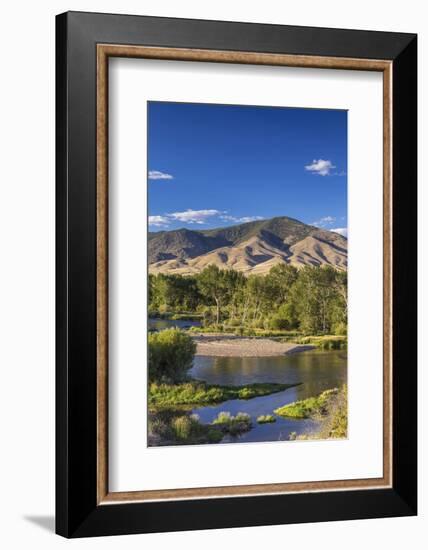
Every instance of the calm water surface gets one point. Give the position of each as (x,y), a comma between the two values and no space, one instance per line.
(315,370)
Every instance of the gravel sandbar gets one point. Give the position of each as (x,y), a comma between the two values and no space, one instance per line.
(219,345)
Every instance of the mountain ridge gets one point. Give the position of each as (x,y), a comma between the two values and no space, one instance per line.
(249,247)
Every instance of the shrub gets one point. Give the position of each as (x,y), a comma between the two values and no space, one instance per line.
(182,427)
(234,323)
(266,419)
(223,418)
(214,436)
(186,427)
(198,393)
(335,424)
(158,426)
(340,329)
(233,425)
(242,417)
(325,343)
(332,417)
(278,323)
(171,354)
(308,408)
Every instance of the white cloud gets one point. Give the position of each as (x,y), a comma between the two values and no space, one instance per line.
(199,217)
(194,216)
(158,221)
(321,167)
(158,175)
(243,219)
(341,230)
(325,221)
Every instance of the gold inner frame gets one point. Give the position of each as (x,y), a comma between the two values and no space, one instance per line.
(104,51)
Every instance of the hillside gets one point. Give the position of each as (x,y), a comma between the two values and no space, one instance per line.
(252,247)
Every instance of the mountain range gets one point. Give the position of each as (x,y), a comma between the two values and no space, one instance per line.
(252,248)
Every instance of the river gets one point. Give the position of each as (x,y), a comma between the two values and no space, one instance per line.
(316,371)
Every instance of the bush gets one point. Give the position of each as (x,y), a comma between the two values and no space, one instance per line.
(266,419)
(223,418)
(182,427)
(186,427)
(233,425)
(198,393)
(284,318)
(171,354)
(325,343)
(278,323)
(233,323)
(214,436)
(340,329)
(332,417)
(311,407)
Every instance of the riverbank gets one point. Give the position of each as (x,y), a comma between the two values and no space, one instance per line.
(199,393)
(221,345)
(330,408)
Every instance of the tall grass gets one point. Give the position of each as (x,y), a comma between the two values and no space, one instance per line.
(199,393)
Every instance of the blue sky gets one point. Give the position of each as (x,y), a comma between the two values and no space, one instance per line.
(218,165)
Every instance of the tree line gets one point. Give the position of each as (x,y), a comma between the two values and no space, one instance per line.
(312,300)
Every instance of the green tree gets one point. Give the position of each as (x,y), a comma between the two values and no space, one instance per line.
(213,285)
(171,354)
(281,278)
(313,296)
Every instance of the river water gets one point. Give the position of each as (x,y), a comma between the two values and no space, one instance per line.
(316,371)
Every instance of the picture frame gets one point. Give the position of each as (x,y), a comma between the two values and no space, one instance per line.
(84,44)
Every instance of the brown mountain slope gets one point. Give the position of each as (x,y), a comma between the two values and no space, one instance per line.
(258,253)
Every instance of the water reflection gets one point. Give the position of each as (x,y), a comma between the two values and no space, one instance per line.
(315,370)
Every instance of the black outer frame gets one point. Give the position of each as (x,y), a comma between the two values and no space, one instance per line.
(77,513)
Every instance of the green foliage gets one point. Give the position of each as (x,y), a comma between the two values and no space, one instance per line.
(307,408)
(185,317)
(182,427)
(175,427)
(199,393)
(311,300)
(186,426)
(340,329)
(173,292)
(171,427)
(266,419)
(233,425)
(324,342)
(171,354)
(335,422)
(223,418)
(332,415)
(214,436)
(284,318)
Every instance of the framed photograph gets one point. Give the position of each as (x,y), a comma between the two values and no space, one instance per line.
(236,274)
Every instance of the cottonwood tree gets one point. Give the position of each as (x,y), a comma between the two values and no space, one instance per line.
(212,284)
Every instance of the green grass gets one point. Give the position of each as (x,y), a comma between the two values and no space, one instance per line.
(333,420)
(324,342)
(172,427)
(233,425)
(199,393)
(266,419)
(185,317)
(308,408)
(175,316)
(245,331)
(327,342)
